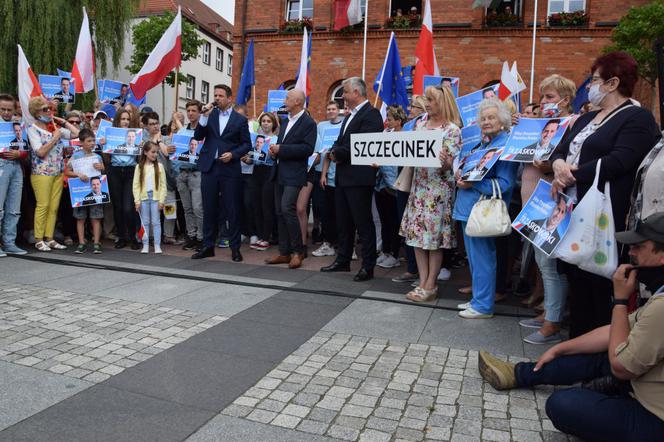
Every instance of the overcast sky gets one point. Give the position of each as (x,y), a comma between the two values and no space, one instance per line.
(225,8)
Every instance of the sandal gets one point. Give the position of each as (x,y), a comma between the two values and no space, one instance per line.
(466,290)
(42,247)
(421,295)
(53,244)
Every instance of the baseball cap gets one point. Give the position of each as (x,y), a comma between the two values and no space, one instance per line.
(651,228)
(146,109)
(99,114)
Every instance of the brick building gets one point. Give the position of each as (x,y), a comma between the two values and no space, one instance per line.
(469,43)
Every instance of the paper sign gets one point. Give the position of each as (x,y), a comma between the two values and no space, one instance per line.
(187,148)
(413,148)
(534,138)
(468,104)
(123,141)
(56,87)
(85,165)
(261,144)
(478,163)
(95,191)
(275,100)
(438,81)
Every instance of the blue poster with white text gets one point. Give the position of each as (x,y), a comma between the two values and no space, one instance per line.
(438,81)
(534,139)
(468,104)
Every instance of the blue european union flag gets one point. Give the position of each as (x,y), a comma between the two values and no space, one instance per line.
(581,95)
(393,90)
(131,98)
(248,79)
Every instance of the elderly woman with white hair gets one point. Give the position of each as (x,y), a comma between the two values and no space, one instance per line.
(495,120)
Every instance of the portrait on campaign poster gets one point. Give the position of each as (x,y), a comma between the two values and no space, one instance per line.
(101,130)
(471,137)
(478,163)
(534,139)
(94,192)
(468,104)
(330,135)
(122,141)
(59,88)
(544,221)
(276,101)
(440,81)
(187,148)
(261,145)
(12,136)
(111,90)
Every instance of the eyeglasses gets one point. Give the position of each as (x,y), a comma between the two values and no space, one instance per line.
(74,121)
(46,109)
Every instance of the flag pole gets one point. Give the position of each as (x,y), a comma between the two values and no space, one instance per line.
(177,87)
(253,94)
(532,56)
(382,72)
(364,50)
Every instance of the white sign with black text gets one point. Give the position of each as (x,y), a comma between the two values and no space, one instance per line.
(413,148)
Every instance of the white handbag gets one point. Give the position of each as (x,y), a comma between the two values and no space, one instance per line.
(590,241)
(489,216)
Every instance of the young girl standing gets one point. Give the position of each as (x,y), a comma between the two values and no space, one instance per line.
(149,190)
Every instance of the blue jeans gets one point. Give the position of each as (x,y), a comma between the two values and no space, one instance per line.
(482,260)
(586,413)
(150,216)
(11,188)
(555,287)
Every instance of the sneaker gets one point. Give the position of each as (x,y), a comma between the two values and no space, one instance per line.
(172,240)
(224,244)
(444,274)
(390,262)
(157,249)
(471,313)
(145,248)
(464,306)
(190,244)
(354,257)
(405,277)
(325,250)
(11,249)
(538,338)
(499,374)
(382,257)
(260,245)
(81,249)
(531,323)
(2,253)
(253,239)
(96,248)
(42,247)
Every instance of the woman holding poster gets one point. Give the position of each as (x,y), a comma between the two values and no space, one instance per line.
(495,120)
(427,223)
(45,136)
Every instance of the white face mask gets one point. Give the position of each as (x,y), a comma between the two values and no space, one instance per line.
(551,110)
(595,96)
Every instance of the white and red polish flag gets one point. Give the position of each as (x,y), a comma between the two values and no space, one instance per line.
(424,52)
(511,82)
(347,13)
(165,57)
(28,85)
(303,82)
(83,71)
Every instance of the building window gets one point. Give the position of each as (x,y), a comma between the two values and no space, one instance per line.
(504,14)
(191,87)
(402,7)
(338,96)
(205,91)
(206,52)
(229,68)
(556,6)
(293,9)
(219,63)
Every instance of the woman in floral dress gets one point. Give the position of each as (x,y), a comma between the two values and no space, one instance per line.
(427,223)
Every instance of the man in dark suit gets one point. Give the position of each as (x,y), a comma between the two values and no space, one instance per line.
(544,232)
(97,196)
(354,184)
(296,141)
(226,135)
(129,146)
(542,148)
(64,95)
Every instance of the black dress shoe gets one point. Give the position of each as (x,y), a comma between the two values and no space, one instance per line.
(205,252)
(236,256)
(363,275)
(336,267)
(135,245)
(121,244)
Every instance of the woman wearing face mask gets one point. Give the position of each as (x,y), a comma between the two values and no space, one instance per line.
(556,96)
(620,134)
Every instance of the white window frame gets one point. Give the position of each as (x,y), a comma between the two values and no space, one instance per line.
(290,8)
(229,68)
(364,3)
(565,7)
(190,89)
(219,61)
(207,48)
(333,97)
(205,91)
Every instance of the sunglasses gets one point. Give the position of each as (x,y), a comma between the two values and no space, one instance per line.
(46,109)
(74,121)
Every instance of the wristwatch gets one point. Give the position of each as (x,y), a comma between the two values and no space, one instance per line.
(624,302)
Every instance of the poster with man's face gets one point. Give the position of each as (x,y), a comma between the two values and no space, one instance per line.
(534,139)
(122,141)
(478,163)
(59,88)
(90,193)
(187,148)
(544,221)
(261,145)
(442,81)
(468,104)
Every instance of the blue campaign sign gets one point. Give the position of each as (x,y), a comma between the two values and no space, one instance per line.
(407,75)
(330,135)
(123,141)
(468,104)
(534,139)
(544,221)
(110,90)
(90,193)
(101,130)
(438,81)
(7,136)
(478,163)
(275,100)
(471,136)
(187,148)
(261,145)
(56,87)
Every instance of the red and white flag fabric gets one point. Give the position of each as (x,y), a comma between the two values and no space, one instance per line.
(83,71)
(511,82)
(28,85)
(165,57)
(303,82)
(347,13)
(424,52)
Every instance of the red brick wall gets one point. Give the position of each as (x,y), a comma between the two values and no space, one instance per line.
(474,54)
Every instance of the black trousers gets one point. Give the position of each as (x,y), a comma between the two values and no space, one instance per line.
(386,203)
(247,225)
(329,218)
(120,181)
(590,301)
(290,235)
(318,198)
(262,198)
(221,200)
(353,206)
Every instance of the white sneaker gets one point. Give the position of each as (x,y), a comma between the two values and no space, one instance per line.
(324,250)
(444,274)
(382,257)
(354,257)
(145,248)
(389,262)
(253,239)
(471,313)
(157,249)
(464,306)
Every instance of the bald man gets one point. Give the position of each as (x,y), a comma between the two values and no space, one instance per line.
(294,146)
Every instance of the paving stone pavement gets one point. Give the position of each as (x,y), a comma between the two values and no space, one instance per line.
(368,389)
(85,336)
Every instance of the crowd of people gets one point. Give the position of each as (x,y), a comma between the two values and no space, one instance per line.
(233,190)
